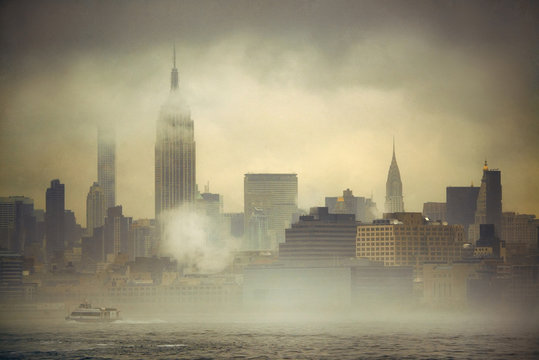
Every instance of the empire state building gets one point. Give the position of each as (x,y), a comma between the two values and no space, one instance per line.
(174,152)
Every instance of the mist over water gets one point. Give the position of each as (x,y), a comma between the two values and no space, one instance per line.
(232,336)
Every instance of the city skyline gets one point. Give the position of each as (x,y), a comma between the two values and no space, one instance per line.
(271,96)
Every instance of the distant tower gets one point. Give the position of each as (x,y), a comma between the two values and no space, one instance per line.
(489,202)
(54,218)
(394,202)
(270,201)
(106,163)
(174,152)
(95,208)
(117,228)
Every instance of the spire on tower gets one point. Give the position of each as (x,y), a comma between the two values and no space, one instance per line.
(174,73)
(393,147)
(174,55)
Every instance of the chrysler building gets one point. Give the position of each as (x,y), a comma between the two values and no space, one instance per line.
(394,202)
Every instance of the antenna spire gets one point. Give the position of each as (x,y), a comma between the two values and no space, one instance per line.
(174,55)
(174,74)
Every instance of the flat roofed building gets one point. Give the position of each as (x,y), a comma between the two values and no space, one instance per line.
(409,240)
(461,203)
(320,235)
(435,211)
(446,285)
(273,196)
(364,208)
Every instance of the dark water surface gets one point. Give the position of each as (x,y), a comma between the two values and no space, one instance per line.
(210,338)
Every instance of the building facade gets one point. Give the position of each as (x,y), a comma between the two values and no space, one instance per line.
(117,228)
(364,208)
(106,163)
(17,223)
(461,203)
(175,168)
(95,208)
(54,219)
(394,200)
(435,211)
(407,239)
(271,199)
(141,243)
(320,235)
(489,203)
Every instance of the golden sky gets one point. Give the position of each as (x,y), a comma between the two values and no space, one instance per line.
(318,88)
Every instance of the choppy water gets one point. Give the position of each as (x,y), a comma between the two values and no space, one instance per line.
(251,339)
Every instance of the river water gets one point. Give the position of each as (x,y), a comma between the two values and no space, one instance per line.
(279,337)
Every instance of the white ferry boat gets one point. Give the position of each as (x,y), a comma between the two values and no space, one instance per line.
(86,313)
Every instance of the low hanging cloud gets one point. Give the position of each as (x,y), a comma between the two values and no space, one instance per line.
(298,86)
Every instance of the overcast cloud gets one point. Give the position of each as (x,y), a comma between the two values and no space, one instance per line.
(318,88)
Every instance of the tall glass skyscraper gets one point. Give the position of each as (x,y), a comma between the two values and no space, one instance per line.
(106,163)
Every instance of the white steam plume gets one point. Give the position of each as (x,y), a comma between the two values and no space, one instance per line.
(186,238)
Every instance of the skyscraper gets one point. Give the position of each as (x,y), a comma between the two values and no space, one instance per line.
(489,203)
(95,208)
(17,223)
(461,205)
(174,152)
(106,163)
(54,219)
(116,231)
(394,202)
(364,208)
(272,198)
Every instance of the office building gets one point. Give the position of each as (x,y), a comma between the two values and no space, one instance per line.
(211,207)
(394,200)
(435,211)
(446,285)
(489,203)
(116,232)
(141,241)
(72,230)
(364,208)
(17,223)
(409,239)
(233,224)
(461,203)
(326,284)
(320,235)
(175,168)
(95,208)
(520,228)
(54,220)
(106,163)
(11,270)
(270,202)
(489,244)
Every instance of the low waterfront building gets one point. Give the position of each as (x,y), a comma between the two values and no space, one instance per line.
(446,285)
(329,284)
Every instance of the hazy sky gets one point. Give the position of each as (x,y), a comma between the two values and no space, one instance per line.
(318,88)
